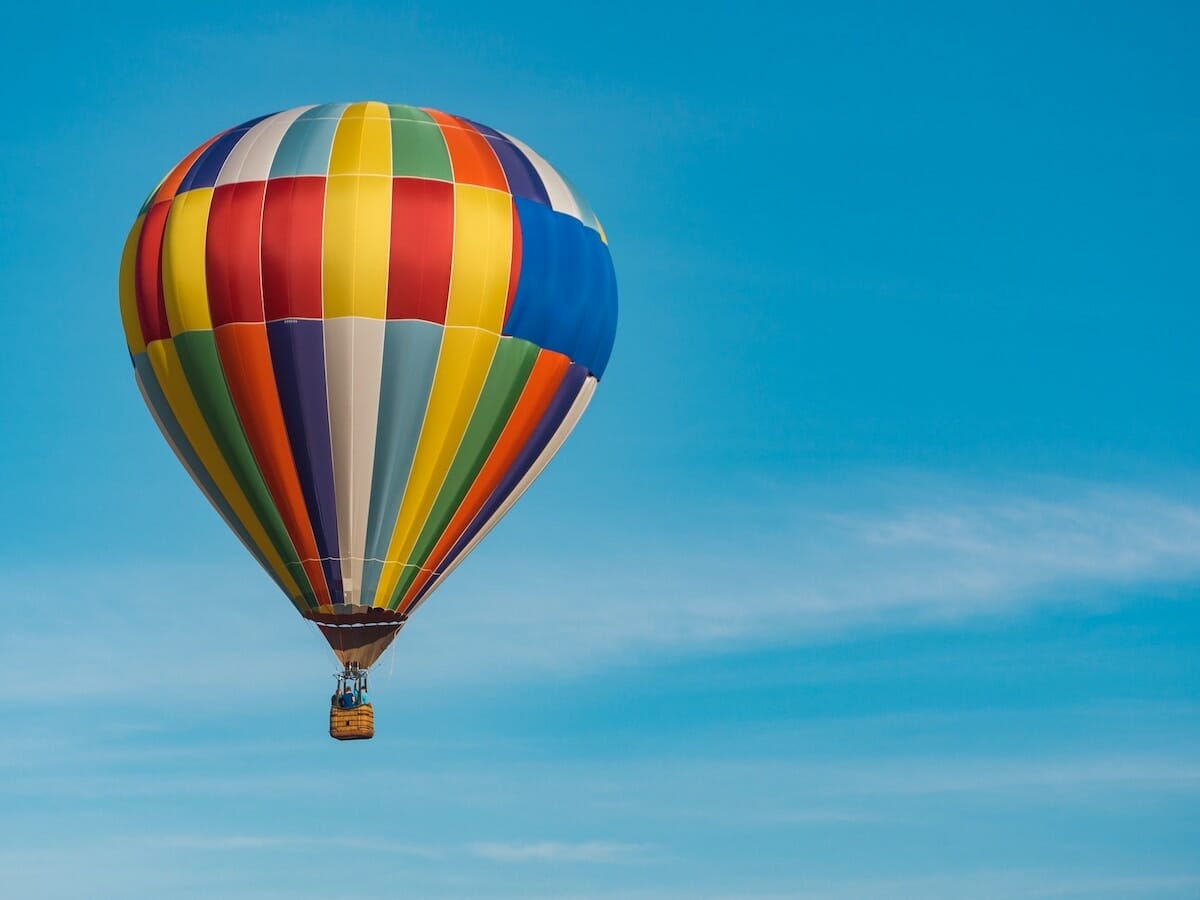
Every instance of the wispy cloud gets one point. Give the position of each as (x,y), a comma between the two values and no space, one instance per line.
(258,842)
(559,852)
(1015,884)
(899,551)
(896,550)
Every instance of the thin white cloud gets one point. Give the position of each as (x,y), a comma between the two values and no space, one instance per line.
(559,852)
(259,842)
(900,550)
(1011,884)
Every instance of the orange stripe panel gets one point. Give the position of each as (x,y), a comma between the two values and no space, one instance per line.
(472,158)
(166,190)
(545,377)
(246,361)
(514,270)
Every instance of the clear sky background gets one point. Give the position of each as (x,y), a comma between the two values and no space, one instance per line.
(872,572)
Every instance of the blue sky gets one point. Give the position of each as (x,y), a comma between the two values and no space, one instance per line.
(872,571)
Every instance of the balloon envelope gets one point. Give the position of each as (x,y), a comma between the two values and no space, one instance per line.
(364,329)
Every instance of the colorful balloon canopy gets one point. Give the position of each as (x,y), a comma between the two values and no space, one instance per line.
(364,329)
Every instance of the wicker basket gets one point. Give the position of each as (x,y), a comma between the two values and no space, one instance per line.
(356,724)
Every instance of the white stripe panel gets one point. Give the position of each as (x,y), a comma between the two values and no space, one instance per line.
(251,157)
(586,216)
(353,369)
(564,431)
(562,198)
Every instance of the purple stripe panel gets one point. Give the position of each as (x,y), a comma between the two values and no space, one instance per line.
(559,406)
(207,167)
(523,179)
(298,358)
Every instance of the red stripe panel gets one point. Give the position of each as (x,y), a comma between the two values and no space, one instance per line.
(292,224)
(514,271)
(471,157)
(421,250)
(232,262)
(246,361)
(545,377)
(147,275)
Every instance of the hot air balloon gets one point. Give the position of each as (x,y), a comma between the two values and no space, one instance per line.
(364,329)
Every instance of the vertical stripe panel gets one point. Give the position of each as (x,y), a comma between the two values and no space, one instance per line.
(127,291)
(175,436)
(353,363)
(462,367)
(357,229)
(471,157)
(194,356)
(540,389)
(363,142)
(418,148)
(566,293)
(523,179)
(204,172)
(304,149)
(598,348)
(252,157)
(556,412)
(233,263)
(562,198)
(410,356)
(482,262)
(358,209)
(563,431)
(298,359)
(514,269)
(422,247)
(246,362)
(185,292)
(147,281)
(293,220)
(509,372)
(170,185)
(188,371)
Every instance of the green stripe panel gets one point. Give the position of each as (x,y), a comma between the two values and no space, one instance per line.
(202,368)
(418,148)
(195,467)
(506,380)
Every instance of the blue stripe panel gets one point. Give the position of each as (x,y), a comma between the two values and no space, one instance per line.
(306,147)
(207,167)
(410,355)
(298,359)
(560,405)
(599,348)
(523,179)
(566,293)
(191,462)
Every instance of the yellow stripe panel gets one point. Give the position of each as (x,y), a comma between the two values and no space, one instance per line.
(169,371)
(358,214)
(482,257)
(358,224)
(129,315)
(462,368)
(362,144)
(184,286)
